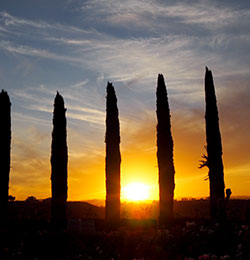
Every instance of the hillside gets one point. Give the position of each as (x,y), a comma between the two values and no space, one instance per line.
(237,209)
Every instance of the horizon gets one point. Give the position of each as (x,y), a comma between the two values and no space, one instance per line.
(188,198)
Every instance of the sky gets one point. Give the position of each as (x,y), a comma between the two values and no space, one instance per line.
(77,46)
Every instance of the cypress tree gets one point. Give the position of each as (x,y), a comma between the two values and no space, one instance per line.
(59,161)
(164,155)
(113,160)
(213,159)
(5,142)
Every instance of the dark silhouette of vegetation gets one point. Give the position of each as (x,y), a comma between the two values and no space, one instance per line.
(248,212)
(31,199)
(59,161)
(164,155)
(5,143)
(213,159)
(113,160)
(11,198)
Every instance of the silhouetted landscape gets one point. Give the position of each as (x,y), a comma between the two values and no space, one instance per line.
(186,208)
(192,236)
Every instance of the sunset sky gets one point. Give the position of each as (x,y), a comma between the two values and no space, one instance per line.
(76,46)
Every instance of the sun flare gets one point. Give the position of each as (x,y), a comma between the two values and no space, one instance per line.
(135,192)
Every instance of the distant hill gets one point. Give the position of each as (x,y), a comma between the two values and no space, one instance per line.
(85,210)
(40,210)
(240,197)
(96,202)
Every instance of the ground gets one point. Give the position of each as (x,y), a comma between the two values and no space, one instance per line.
(188,238)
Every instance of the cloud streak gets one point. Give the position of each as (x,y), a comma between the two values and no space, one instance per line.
(198,13)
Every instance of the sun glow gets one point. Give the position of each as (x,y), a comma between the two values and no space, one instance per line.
(135,191)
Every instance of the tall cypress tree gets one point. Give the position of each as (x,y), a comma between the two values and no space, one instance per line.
(213,159)
(164,155)
(113,160)
(5,142)
(59,162)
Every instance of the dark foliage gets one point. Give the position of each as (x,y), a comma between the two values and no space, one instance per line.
(5,142)
(193,240)
(164,155)
(59,161)
(11,198)
(113,160)
(213,159)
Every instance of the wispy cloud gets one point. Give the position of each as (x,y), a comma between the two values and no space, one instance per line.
(61,40)
(41,99)
(80,84)
(123,59)
(10,20)
(199,12)
(27,119)
(29,51)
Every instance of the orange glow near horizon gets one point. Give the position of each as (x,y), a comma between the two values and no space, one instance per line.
(86,173)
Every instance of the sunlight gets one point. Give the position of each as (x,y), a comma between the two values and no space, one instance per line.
(135,191)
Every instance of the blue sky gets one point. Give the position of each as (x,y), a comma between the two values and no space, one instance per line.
(76,46)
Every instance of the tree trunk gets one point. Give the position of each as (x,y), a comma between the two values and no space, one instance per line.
(59,161)
(214,151)
(5,143)
(113,160)
(164,155)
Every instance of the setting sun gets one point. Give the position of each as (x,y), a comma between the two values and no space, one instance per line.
(135,192)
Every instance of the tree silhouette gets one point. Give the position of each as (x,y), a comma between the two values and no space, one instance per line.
(213,159)
(164,155)
(5,142)
(113,160)
(59,161)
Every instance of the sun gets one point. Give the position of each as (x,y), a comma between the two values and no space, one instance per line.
(135,191)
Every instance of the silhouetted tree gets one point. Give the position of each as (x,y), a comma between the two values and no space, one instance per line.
(31,199)
(59,161)
(213,159)
(5,142)
(164,155)
(11,198)
(113,160)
